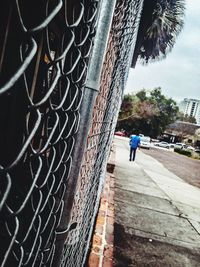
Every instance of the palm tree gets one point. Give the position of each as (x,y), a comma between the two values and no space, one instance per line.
(161,22)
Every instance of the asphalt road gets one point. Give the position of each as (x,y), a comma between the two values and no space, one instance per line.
(157,213)
(186,168)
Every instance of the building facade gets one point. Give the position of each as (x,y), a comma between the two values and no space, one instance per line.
(191,107)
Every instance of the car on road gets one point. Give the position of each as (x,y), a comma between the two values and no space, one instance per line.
(145,142)
(191,148)
(171,145)
(119,133)
(197,150)
(162,144)
(180,145)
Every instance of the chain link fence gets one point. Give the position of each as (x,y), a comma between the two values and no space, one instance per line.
(117,61)
(44,51)
(45,47)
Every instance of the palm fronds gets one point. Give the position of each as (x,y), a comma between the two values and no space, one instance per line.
(161,29)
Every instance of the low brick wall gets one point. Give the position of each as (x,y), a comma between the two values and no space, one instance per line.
(101,254)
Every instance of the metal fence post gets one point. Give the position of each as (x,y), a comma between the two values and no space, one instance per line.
(86,109)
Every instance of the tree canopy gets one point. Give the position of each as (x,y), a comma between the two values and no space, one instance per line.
(160,24)
(147,111)
(186,118)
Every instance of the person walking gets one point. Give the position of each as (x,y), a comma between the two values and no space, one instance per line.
(134,143)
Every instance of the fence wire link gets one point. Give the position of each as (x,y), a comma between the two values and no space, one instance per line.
(117,61)
(44,52)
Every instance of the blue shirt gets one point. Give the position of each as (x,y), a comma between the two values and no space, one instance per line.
(134,141)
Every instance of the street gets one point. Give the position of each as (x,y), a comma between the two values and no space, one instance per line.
(186,168)
(157,214)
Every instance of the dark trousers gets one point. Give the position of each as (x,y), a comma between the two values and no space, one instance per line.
(132,153)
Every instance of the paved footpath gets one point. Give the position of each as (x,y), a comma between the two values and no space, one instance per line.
(157,214)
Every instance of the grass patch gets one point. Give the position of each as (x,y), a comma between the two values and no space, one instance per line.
(187,153)
(183,152)
(195,156)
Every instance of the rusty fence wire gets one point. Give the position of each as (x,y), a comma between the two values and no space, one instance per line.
(44,52)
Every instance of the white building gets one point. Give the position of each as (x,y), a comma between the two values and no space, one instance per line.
(191,107)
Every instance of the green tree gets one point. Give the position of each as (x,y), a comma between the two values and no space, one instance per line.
(149,113)
(168,111)
(142,95)
(186,118)
(127,106)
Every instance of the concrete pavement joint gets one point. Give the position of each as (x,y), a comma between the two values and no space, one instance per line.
(118,200)
(181,215)
(198,232)
(170,199)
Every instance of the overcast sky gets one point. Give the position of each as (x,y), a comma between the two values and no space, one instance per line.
(179,73)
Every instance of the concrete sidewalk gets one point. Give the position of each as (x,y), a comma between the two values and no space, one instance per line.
(157,221)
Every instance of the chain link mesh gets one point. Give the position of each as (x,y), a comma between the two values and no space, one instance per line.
(44,52)
(117,61)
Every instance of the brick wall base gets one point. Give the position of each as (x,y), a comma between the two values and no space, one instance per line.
(101,254)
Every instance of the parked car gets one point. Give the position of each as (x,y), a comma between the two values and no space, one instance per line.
(145,142)
(191,148)
(171,145)
(120,133)
(197,150)
(162,144)
(180,145)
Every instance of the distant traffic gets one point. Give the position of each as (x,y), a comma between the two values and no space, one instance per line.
(147,142)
